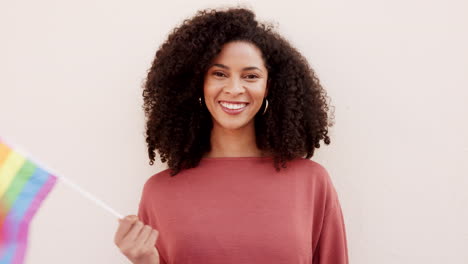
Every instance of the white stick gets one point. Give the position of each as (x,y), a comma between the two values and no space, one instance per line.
(89,196)
(74,186)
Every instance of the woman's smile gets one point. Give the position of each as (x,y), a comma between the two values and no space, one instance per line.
(233,109)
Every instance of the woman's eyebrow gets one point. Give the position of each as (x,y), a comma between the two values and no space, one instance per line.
(227,68)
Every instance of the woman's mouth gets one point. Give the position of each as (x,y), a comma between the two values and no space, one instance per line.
(233,108)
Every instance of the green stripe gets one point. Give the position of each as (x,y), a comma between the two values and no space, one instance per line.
(18,183)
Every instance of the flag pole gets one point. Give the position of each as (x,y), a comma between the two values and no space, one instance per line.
(89,196)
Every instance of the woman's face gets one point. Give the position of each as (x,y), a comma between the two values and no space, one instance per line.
(237,75)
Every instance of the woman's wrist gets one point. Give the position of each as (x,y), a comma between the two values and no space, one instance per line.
(148,259)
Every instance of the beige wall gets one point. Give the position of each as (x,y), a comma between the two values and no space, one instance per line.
(397,73)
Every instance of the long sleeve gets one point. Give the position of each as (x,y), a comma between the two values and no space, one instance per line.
(332,244)
(144,216)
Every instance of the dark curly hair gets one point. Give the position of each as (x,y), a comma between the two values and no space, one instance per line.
(179,127)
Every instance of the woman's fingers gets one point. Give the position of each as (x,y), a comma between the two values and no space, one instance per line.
(151,241)
(134,231)
(143,236)
(136,240)
(124,227)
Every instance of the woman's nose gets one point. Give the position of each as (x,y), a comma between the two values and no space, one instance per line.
(235,86)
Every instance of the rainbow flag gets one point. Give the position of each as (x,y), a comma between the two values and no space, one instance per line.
(23,187)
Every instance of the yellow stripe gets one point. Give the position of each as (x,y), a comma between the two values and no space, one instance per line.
(8,170)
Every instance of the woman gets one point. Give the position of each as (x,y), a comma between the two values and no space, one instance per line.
(228,100)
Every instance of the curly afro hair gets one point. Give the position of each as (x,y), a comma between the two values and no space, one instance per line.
(179,127)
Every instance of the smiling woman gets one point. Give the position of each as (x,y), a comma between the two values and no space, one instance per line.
(227,100)
(227,55)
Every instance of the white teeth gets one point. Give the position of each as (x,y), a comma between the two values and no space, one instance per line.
(233,106)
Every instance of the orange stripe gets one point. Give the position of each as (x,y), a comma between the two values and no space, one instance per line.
(4,151)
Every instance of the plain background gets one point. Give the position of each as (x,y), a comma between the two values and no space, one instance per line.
(396,72)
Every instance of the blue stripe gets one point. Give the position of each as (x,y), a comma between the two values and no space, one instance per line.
(17,212)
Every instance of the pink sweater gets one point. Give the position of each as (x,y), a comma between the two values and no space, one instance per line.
(241,211)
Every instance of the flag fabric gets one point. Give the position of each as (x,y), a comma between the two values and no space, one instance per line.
(23,187)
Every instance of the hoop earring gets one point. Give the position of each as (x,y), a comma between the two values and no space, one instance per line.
(266,106)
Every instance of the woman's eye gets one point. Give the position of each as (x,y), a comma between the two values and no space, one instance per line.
(251,76)
(218,74)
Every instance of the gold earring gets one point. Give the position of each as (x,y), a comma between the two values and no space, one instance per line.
(266,106)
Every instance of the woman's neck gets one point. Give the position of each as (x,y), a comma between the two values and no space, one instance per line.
(233,143)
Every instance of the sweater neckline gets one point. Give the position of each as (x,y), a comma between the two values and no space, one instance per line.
(236,158)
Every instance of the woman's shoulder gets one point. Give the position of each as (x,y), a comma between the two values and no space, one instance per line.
(152,180)
(312,169)
(309,165)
